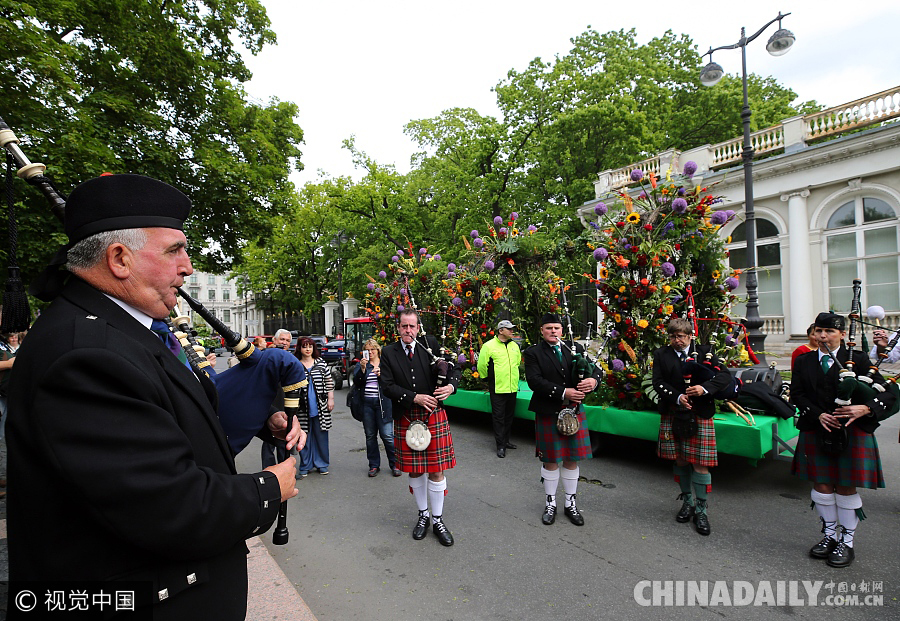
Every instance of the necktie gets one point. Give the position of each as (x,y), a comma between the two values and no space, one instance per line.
(681,356)
(169,340)
(558,352)
(826,363)
(409,352)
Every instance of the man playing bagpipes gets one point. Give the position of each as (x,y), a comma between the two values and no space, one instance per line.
(687,390)
(119,470)
(836,449)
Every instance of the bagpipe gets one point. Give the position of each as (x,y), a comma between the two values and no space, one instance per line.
(246,391)
(696,370)
(582,368)
(854,388)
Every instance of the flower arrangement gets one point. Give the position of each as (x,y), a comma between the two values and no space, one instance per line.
(657,254)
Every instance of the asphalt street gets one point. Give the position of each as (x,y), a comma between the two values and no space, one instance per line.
(351,554)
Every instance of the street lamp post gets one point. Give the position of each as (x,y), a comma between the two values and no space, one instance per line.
(779,44)
(339,240)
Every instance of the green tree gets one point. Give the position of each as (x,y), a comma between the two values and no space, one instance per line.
(153,88)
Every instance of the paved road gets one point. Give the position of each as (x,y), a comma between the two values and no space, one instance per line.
(351,555)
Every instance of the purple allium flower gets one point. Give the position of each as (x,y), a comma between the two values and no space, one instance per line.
(668,227)
(618,365)
(680,192)
(489,265)
(679,205)
(437,257)
(382,274)
(514,216)
(461,359)
(422,251)
(532,228)
(637,174)
(690,167)
(730,340)
(474,233)
(719,287)
(400,252)
(503,230)
(478,242)
(600,208)
(732,283)
(718,218)
(614,334)
(498,221)
(668,269)
(451,267)
(627,246)
(642,195)
(395,258)
(600,254)
(400,308)
(456,302)
(729,214)
(427,256)
(371,286)
(402,290)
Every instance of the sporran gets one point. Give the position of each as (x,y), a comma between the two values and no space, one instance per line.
(567,421)
(417,436)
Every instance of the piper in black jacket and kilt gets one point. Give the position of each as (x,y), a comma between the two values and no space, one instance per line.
(836,469)
(548,371)
(410,379)
(693,447)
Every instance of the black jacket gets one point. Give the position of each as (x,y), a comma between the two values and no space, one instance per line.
(548,378)
(119,469)
(668,380)
(813,392)
(402,379)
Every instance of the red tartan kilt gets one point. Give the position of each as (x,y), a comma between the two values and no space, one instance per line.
(553,447)
(699,449)
(858,466)
(439,455)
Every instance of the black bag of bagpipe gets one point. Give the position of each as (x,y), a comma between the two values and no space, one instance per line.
(759,391)
(832,442)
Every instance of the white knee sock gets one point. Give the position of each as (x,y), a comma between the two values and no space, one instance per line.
(827,510)
(436,491)
(570,483)
(417,489)
(846,510)
(551,482)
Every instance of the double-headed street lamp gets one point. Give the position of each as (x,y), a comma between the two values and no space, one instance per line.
(339,240)
(779,44)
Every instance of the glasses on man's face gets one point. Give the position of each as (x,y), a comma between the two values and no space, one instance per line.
(679,337)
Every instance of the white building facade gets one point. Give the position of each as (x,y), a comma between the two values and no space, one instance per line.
(826,212)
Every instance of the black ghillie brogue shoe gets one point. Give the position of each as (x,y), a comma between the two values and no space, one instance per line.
(687,509)
(421,527)
(701,520)
(842,556)
(549,513)
(572,513)
(824,548)
(441,532)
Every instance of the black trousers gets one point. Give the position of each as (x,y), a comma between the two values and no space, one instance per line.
(503,407)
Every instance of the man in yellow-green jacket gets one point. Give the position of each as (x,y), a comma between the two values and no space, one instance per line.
(498,363)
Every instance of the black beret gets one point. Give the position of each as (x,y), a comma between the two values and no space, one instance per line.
(830,320)
(113,202)
(550,318)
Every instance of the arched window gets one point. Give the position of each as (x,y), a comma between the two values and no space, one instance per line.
(768,257)
(861,242)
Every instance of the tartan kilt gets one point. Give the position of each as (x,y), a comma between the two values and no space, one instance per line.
(553,447)
(439,455)
(699,449)
(858,466)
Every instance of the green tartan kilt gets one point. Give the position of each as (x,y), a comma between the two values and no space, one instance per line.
(858,466)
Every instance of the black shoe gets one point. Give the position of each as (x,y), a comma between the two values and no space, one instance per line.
(501,453)
(510,445)
(442,533)
(574,516)
(421,528)
(824,548)
(687,509)
(549,513)
(842,556)
(701,522)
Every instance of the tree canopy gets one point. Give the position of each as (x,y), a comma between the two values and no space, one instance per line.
(153,88)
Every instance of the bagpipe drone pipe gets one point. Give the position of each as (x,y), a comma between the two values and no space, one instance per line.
(246,391)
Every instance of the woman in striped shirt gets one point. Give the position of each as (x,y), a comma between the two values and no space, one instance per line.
(315,410)
(377,417)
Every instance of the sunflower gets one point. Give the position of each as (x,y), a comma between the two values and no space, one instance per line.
(642,323)
(617,318)
(377,309)
(633,218)
(715,273)
(604,273)
(468,294)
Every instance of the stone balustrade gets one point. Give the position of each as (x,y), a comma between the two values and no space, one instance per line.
(790,135)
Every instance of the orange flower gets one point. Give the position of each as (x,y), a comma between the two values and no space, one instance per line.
(652,178)
(510,261)
(622,261)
